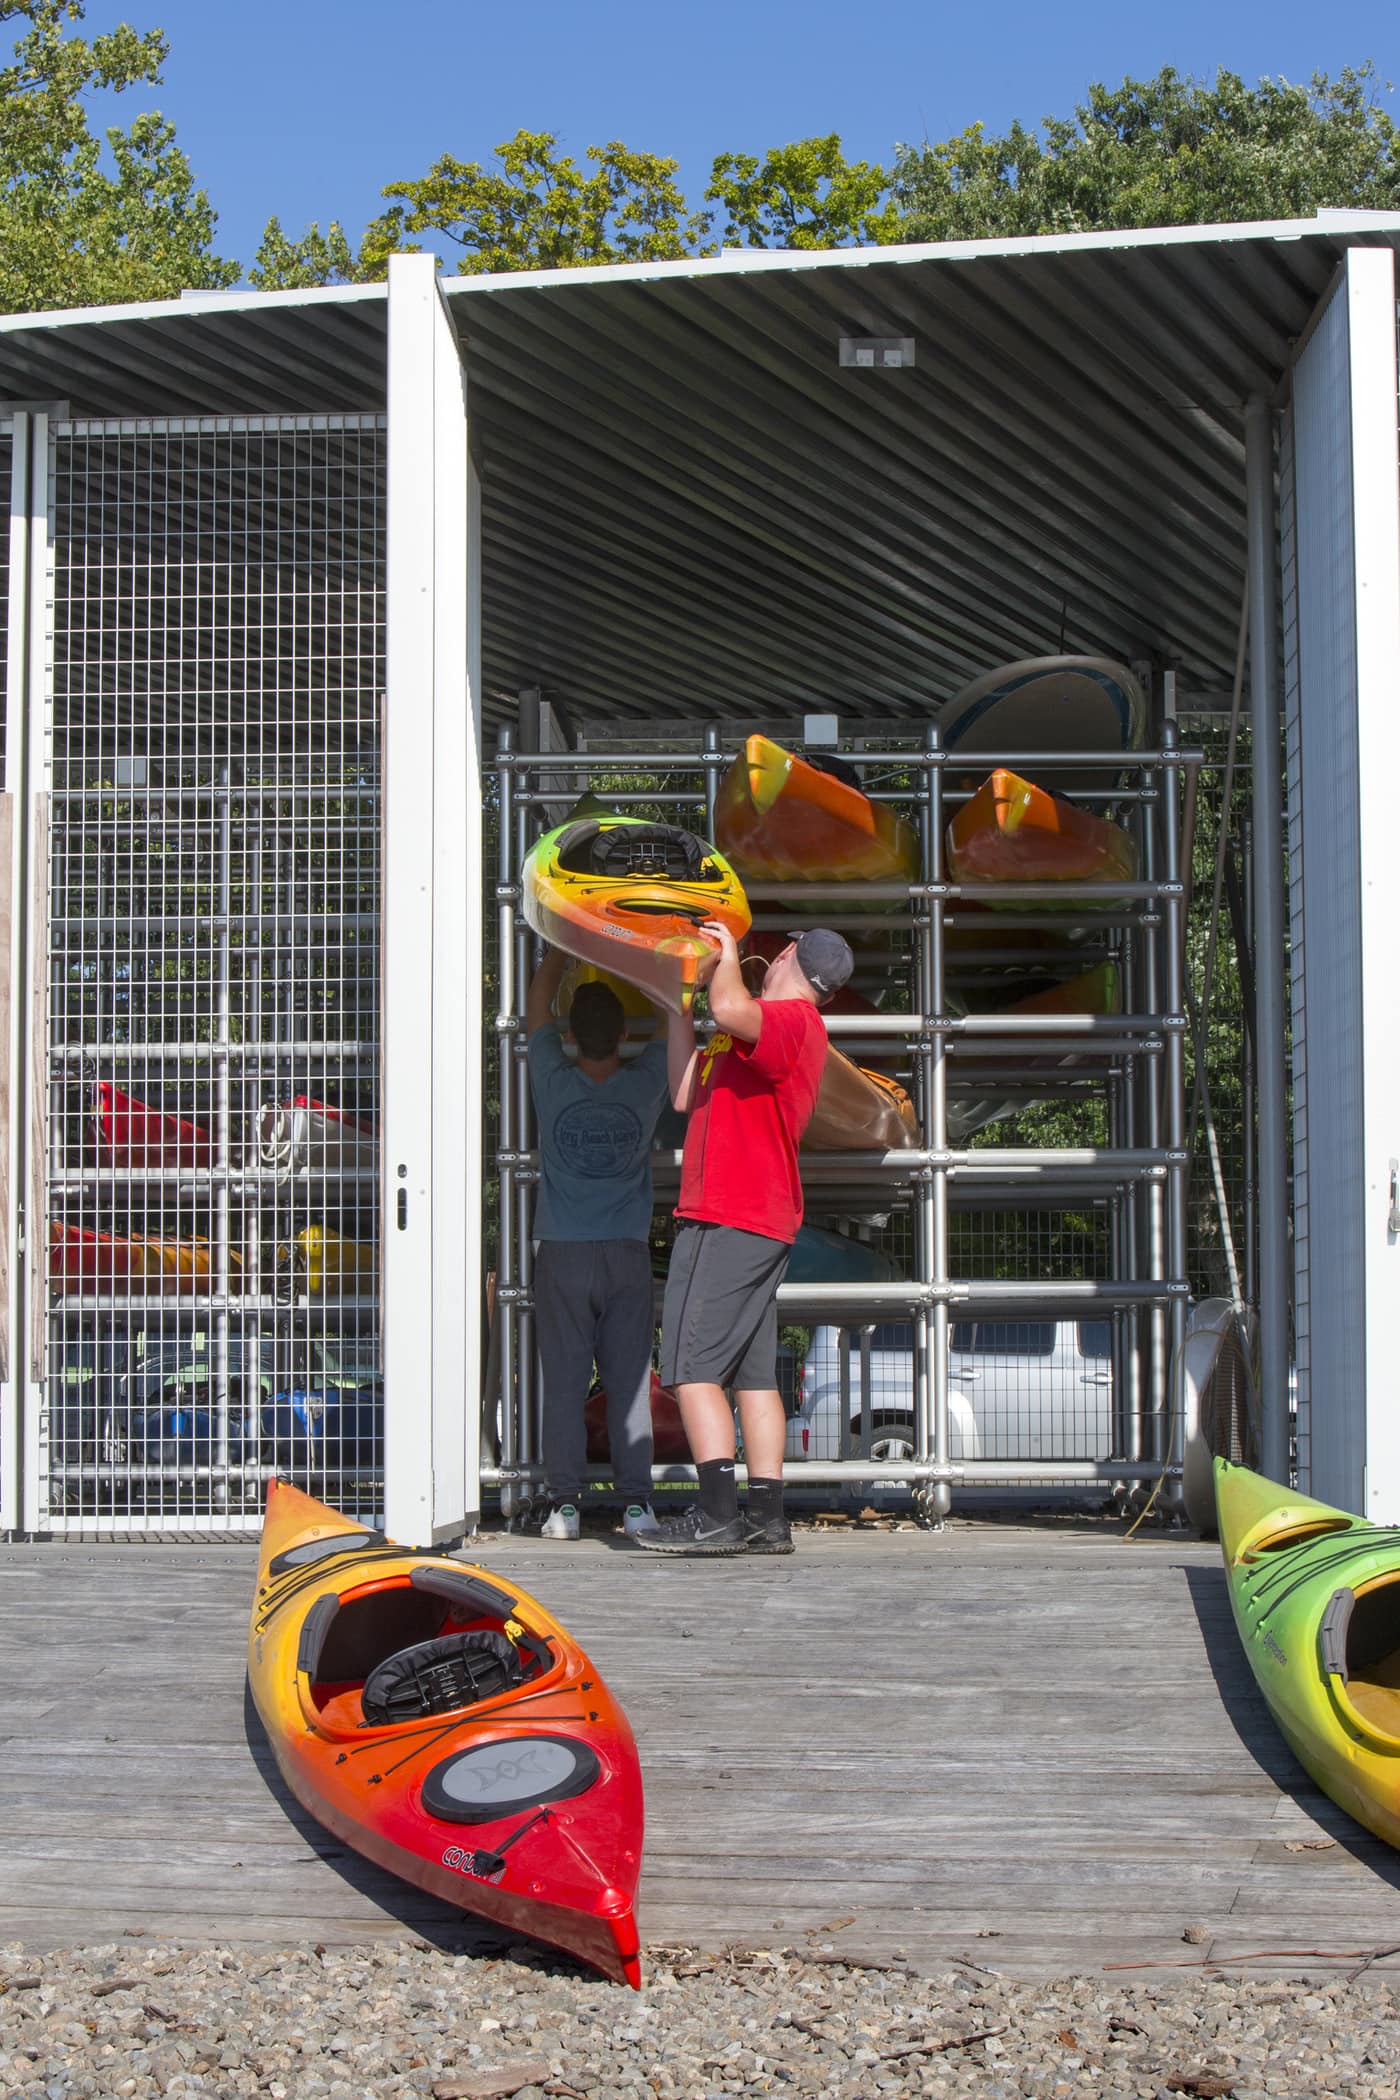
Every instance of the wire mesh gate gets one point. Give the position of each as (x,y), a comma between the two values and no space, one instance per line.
(213,969)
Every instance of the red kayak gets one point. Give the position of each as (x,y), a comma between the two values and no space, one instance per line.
(132,1134)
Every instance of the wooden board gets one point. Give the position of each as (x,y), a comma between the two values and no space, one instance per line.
(1038,1751)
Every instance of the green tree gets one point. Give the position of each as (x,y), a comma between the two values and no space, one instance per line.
(805,195)
(79,226)
(540,211)
(1171,151)
(283,265)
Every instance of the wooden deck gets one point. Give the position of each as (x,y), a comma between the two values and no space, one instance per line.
(1034,1749)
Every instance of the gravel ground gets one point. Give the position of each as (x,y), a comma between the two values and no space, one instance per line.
(405,2019)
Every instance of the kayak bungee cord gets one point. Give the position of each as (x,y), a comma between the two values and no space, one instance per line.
(492,1862)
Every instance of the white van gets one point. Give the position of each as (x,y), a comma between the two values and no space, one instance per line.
(1018,1389)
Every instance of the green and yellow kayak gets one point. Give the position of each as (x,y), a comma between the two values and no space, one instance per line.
(1316,1598)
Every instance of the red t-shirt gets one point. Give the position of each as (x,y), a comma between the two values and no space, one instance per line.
(752,1103)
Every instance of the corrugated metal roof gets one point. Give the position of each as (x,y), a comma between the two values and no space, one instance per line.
(691,506)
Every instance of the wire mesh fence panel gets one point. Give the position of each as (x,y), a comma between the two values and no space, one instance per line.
(213,970)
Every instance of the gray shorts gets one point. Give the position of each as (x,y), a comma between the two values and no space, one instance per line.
(719,1324)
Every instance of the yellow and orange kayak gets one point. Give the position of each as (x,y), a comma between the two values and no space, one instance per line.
(629,897)
(1013,831)
(791,819)
(441,1722)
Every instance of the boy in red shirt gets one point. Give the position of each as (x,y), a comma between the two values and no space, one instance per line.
(749,1091)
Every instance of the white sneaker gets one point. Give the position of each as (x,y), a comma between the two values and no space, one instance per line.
(561,1523)
(639,1517)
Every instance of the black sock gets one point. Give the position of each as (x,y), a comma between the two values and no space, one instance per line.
(719,1496)
(765,1503)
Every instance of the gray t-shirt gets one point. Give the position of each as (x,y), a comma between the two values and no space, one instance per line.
(595,1142)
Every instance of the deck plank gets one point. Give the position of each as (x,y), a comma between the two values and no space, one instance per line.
(1034,1749)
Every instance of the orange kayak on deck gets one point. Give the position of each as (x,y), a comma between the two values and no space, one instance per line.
(791,819)
(1013,831)
(437,1719)
(629,896)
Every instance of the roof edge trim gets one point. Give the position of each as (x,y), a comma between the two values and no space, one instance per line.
(1332,224)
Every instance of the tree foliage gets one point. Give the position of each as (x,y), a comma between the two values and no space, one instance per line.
(806,195)
(1171,151)
(538,210)
(284,265)
(79,226)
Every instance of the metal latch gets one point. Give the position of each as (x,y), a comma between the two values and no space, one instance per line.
(1392,1223)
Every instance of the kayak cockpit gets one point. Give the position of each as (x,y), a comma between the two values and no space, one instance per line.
(410,1646)
(1360,1644)
(1303,1531)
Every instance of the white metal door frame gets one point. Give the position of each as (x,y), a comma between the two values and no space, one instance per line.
(16,686)
(432,899)
(1344,754)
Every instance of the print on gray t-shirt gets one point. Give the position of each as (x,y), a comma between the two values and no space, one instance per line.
(595,1142)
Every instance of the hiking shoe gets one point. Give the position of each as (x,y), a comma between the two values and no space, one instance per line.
(773,1537)
(561,1523)
(693,1533)
(637,1518)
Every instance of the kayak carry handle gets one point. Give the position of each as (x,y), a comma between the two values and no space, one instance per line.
(462,1589)
(1332,1633)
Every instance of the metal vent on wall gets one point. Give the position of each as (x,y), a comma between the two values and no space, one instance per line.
(213,969)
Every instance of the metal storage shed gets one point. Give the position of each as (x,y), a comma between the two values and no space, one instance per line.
(658,492)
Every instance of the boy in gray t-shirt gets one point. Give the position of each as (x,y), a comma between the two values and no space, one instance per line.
(593,1285)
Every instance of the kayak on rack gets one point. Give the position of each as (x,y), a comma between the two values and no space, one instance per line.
(307,1137)
(821,1256)
(132,1134)
(630,896)
(860,1111)
(440,1721)
(1013,831)
(669,1443)
(783,818)
(84,1260)
(1316,1598)
(320,1260)
(1096,991)
(1048,703)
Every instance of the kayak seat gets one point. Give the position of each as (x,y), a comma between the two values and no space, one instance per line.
(437,1677)
(660,851)
(360,1634)
(1373,1657)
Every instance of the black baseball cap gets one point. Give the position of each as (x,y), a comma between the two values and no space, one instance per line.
(824,958)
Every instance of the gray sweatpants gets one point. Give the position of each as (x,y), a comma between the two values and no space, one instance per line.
(593,1303)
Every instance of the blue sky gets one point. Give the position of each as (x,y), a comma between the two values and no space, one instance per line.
(307,107)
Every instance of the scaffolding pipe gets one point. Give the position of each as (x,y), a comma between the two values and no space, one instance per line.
(1270,989)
